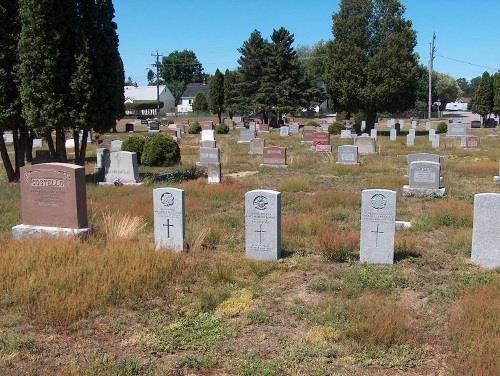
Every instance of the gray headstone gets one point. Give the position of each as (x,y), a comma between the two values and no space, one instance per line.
(37,143)
(102,157)
(412,132)
(284,130)
(246,135)
(207,135)
(393,135)
(263,224)
(252,127)
(432,133)
(435,141)
(423,157)
(365,144)
(209,155)
(456,130)
(293,129)
(116,145)
(257,146)
(345,133)
(214,173)
(424,174)
(169,218)
(410,140)
(378,226)
(373,133)
(486,234)
(347,154)
(121,168)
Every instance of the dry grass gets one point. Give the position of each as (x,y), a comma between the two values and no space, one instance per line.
(379,321)
(480,168)
(337,245)
(475,331)
(116,226)
(64,280)
(295,184)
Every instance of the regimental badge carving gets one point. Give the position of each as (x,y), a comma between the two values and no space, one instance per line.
(167,199)
(378,201)
(260,203)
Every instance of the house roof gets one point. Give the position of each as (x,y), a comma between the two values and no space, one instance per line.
(142,93)
(194,88)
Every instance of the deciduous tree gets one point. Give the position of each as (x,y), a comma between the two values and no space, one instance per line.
(483,98)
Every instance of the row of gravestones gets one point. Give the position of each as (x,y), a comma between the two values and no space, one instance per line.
(53,202)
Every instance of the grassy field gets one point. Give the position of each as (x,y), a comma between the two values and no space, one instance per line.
(111,305)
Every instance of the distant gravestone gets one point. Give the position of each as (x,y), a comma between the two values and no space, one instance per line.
(412,132)
(414,124)
(323,148)
(472,142)
(252,126)
(169,220)
(275,156)
(401,124)
(347,154)
(208,144)
(209,155)
(485,234)
(428,125)
(116,145)
(214,173)
(37,143)
(410,140)
(154,126)
(207,135)
(257,146)
(8,138)
(237,119)
(70,144)
(284,131)
(42,156)
(122,168)
(475,124)
(263,225)
(308,135)
(436,141)
(425,180)
(207,125)
(432,133)
(321,138)
(53,200)
(390,123)
(393,135)
(496,179)
(422,157)
(246,135)
(102,159)
(264,128)
(366,145)
(294,128)
(378,226)
(129,128)
(456,130)
(345,133)
(373,133)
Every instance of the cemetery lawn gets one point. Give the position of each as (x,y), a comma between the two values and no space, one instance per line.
(112,305)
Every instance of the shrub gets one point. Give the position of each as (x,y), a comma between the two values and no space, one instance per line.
(194,128)
(359,117)
(335,128)
(312,123)
(442,127)
(160,150)
(134,144)
(221,129)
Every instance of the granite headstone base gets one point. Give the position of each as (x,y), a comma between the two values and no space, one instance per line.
(421,192)
(117,184)
(403,225)
(348,163)
(273,165)
(20,232)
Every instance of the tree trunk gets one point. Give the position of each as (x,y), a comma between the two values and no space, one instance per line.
(9,170)
(50,143)
(29,147)
(76,138)
(219,114)
(80,158)
(22,142)
(61,146)
(371,118)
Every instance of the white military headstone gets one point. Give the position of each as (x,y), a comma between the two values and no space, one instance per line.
(169,218)
(410,140)
(378,226)
(432,133)
(263,224)
(436,141)
(393,135)
(485,233)
(373,133)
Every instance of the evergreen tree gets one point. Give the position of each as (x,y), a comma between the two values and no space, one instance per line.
(10,106)
(230,93)
(46,53)
(372,66)
(200,103)
(496,91)
(217,94)
(483,98)
(250,73)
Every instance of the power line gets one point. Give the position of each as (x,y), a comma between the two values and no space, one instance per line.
(467,62)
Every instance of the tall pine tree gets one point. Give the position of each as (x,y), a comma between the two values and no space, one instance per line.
(496,91)
(231,103)
(483,98)
(372,66)
(10,106)
(217,94)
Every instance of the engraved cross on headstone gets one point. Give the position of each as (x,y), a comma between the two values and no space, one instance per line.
(376,236)
(260,231)
(168,225)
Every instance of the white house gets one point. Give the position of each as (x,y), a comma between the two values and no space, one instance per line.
(141,100)
(187,99)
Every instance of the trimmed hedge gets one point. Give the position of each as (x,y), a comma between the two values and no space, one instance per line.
(160,150)
(442,127)
(194,128)
(335,128)
(221,129)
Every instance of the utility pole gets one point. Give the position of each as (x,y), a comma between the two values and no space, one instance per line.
(432,53)
(157,65)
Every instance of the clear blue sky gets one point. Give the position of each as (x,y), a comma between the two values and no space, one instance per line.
(466,30)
